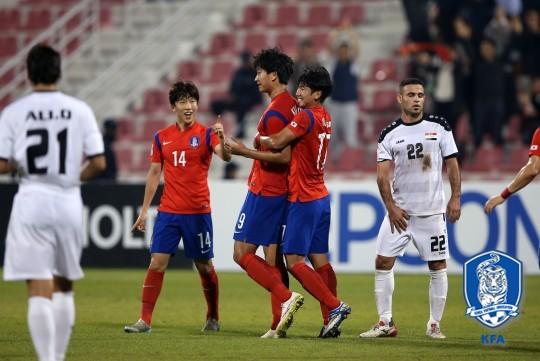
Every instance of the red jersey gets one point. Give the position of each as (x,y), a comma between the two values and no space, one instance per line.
(312,127)
(266,178)
(535,143)
(185,157)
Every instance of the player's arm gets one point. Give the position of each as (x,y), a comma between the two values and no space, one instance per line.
(152,183)
(276,141)
(92,167)
(239,148)
(220,149)
(524,177)
(6,166)
(397,216)
(453,209)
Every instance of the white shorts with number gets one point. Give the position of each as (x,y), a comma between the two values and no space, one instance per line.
(45,235)
(428,234)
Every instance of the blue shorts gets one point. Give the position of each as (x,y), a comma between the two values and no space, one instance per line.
(195,230)
(307,227)
(261,219)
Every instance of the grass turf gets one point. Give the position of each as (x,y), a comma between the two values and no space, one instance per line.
(108,299)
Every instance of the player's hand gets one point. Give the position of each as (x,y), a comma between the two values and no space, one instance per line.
(453,209)
(256,143)
(398,219)
(218,128)
(237,147)
(140,223)
(492,203)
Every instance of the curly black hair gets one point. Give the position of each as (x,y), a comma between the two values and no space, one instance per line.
(182,90)
(274,60)
(317,78)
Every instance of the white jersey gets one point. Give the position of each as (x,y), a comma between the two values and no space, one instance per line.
(48,134)
(418,151)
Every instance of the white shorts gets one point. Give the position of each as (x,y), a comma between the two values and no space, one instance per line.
(44,236)
(428,234)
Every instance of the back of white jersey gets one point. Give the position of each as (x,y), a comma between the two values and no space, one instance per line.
(418,151)
(48,134)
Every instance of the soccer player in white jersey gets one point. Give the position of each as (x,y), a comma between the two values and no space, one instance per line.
(417,144)
(45,136)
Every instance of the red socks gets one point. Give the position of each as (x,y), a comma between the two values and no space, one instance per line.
(210,287)
(150,293)
(276,305)
(311,281)
(329,278)
(261,272)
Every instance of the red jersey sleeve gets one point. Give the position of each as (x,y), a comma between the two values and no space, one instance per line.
(275,124)
(301,124)
(535,143)
(155,151)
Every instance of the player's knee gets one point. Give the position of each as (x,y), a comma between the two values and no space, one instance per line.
(62,284)
(237,255)
(437,265)
(384,263)
(204,267)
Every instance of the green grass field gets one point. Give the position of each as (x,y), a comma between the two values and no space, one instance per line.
(108,299)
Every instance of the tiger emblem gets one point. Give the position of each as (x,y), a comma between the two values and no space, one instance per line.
(492,282)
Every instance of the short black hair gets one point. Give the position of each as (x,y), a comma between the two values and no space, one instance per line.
(183,90)
(317,78)
(410,81)
(43,64)
(274,60)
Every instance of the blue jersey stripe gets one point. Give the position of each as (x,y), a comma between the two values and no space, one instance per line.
(274,113)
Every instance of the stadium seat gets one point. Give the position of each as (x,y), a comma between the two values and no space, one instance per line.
(8,46)
(519,156)
(255,42)
(37,20)
(287,15)
(190,70)
(221,71)
(155,100)
(350,159)
(319,40)
(488,158)
(10,19)
(150,127)
(384,69)
(383,101)
(222,43)
(125,128)
(124,158)
(513,130)
(355,12)
(254,15)
(319,15)
(287,42)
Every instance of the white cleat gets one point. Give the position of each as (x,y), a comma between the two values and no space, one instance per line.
(211,325)
(274,334)
(434,331)
(288,308)
(138,327)
(381,329)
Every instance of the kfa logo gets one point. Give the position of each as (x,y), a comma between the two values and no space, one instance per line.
(194,141)
(492,287)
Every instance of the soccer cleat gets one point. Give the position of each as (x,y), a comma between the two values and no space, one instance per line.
(138,327)
(434,331)
(381,329)
(211,324)
(335,318)
(334,333)
(274,334)
(288,308)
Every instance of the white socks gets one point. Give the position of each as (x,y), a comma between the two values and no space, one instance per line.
(64,317)
(41,325)
(438,289)
(384,288)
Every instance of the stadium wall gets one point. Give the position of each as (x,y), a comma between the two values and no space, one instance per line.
(357,212)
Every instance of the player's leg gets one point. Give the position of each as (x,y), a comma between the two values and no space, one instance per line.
(29,256)
(198,238)
(64,314)
(389,246)
(165,239)
(430,238)
(274,258)
(210,286)
(324,269)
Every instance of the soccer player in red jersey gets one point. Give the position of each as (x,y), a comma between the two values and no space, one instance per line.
(183,151)
(308,213)
(262,216)
(523,178)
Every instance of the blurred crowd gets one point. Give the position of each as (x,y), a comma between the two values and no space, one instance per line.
(480,60)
